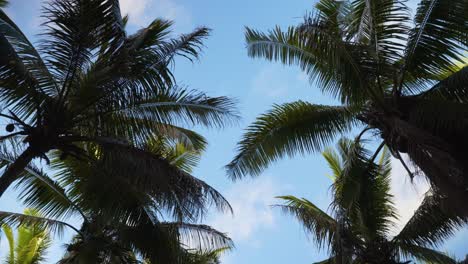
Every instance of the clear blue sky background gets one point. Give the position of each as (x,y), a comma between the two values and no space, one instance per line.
(261,233)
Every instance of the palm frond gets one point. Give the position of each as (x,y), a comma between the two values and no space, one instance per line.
(432,223)
(334,162)
(183,195)
(38,190)
(183,158)
(286,130)
(382,25)
(454,88)
(315,221)
(180,106)
(8,231)
(25,80)
(74,30)
(424,254)
(439,38)
(362,191)
(317,50)
(331,260)
(202,237)
(16,219)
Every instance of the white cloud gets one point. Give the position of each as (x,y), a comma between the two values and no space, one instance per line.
(408,195)
(142,12)
(251,201)
(135,9)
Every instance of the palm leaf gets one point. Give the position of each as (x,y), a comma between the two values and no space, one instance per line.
(316,222)
(149,174)
(453,88)
(362,191)
(425,254)
(319,51)
(17,219)
(439,38)
(432,223)
(8,231)
(379,24)
(25,80)
(39,191)
(183,107)
(288,129)
(200,237)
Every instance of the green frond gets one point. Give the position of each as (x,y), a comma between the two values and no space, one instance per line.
(74,30)
(120,165)
(37,190)
(8,231)
(432,223)
(362,191)
(319,224)
(318,51)
(454,88)
(334,162)
(17,219)
(439,38)
(287,130)
(201,237)
(424,254)
(183,158)
(382,25)
(331,260)
(25,81)
(32,241)
(180,106)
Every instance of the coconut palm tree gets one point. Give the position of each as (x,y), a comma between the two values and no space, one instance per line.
(208,256)
(403,80)
(125,215)
(31,243)
(362,218)
(202,256)
(89,81)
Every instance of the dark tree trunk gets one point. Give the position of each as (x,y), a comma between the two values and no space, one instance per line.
(13,170)
(440,153)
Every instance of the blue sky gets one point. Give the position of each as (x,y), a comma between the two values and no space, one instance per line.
(261,233)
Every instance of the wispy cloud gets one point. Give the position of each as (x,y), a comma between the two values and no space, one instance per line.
(251,201)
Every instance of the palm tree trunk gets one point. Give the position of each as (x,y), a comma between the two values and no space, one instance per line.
(13,170)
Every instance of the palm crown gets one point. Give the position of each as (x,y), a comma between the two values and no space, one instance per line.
(363,215)
(155,219)
(89,82)
(406,83)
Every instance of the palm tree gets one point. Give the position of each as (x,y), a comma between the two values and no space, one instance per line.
(124,214)
(404,81)
(202,256)
(208,256)
(31,244)
(363,215)
(89,81)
